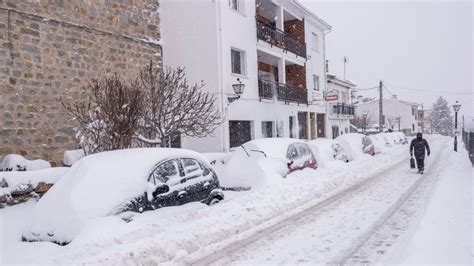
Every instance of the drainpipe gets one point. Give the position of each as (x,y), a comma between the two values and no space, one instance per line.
(219,75)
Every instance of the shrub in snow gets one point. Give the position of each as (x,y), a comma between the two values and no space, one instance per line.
(111,115)
(72,156)
(15,162)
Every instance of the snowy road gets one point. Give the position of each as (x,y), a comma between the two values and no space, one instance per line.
(341,229)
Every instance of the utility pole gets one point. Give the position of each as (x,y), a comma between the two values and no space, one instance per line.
(381,122)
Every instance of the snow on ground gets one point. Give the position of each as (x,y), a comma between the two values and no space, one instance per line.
(185,233)
(444,233)
(170,234)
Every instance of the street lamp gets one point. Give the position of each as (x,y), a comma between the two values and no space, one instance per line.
(238,90)
(364,115)
(456,108)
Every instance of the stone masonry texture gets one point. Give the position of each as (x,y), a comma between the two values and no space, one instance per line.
(51,50)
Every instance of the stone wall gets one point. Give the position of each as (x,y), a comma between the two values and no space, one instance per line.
(50,50)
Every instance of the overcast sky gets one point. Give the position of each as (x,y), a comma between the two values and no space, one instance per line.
(425,46)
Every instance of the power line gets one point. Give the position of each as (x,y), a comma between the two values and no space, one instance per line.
(366,89)
(430,91)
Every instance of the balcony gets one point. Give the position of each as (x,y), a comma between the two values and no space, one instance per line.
(284,92)
(278,38)
(342,110)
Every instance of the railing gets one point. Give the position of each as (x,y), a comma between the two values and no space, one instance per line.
(280,39)
(342,109)
(286,93)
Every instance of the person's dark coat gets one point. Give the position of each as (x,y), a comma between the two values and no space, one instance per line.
(419,144)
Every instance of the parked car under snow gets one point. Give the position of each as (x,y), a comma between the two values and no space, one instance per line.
(328,150)
(259,161)
(357,144)
(112,182)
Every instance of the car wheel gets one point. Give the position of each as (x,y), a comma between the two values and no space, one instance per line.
(214,201)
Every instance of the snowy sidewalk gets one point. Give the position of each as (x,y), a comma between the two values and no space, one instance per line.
(444,234)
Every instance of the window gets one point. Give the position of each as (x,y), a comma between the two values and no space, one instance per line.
(238,61)
(413,111)
(316,82)
(314,42)
(267,129)
(292,153)
(165,172)
(191,167)
(280,129)
(234,4)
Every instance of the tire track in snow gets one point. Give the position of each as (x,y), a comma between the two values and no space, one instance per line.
(242,242)
(396,227)
(313,212)
(350,256)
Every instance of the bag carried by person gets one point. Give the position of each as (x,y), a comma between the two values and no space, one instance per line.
(412,163)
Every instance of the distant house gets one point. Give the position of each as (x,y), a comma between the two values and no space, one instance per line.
(424,120)
(398,115)
(339,107)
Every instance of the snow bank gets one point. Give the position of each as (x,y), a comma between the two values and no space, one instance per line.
(15,179)
(92,188)
(15,162)
(72,156)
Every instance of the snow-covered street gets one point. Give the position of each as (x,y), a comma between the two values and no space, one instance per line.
(371,210)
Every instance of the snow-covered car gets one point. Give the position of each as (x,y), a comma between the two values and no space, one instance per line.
(260,161)
(113,182)
(357,144)
(328,150)
(379,142)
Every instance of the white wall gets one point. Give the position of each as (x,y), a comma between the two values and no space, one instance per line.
(391,109)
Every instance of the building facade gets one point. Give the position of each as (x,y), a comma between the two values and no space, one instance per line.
(398,115)
(276,49)
(339,105)
(51,50)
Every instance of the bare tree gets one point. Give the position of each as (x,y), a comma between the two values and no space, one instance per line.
(111,115)
(175,108)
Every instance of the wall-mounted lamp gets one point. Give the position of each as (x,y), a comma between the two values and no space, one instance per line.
(238,90)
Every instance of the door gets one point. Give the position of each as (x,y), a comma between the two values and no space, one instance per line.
(170,174)
(292,127)
(198,180)
(239,132)
(320,125)
(302,123)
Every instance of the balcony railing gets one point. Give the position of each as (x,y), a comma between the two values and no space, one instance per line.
(280,39)
(342,109)
(284,92)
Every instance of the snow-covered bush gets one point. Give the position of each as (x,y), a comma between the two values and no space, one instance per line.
(15,162)
(111,115)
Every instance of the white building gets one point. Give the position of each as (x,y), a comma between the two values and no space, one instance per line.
(398,114)
(339,106)
(276,48)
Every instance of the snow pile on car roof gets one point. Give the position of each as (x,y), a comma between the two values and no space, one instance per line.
(352,142)
(92,188)
(323,150)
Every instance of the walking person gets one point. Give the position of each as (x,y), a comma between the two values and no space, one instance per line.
(419,144)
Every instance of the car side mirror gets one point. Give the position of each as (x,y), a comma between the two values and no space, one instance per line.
(161,189)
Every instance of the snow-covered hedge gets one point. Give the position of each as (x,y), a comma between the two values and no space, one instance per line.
(15,162)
